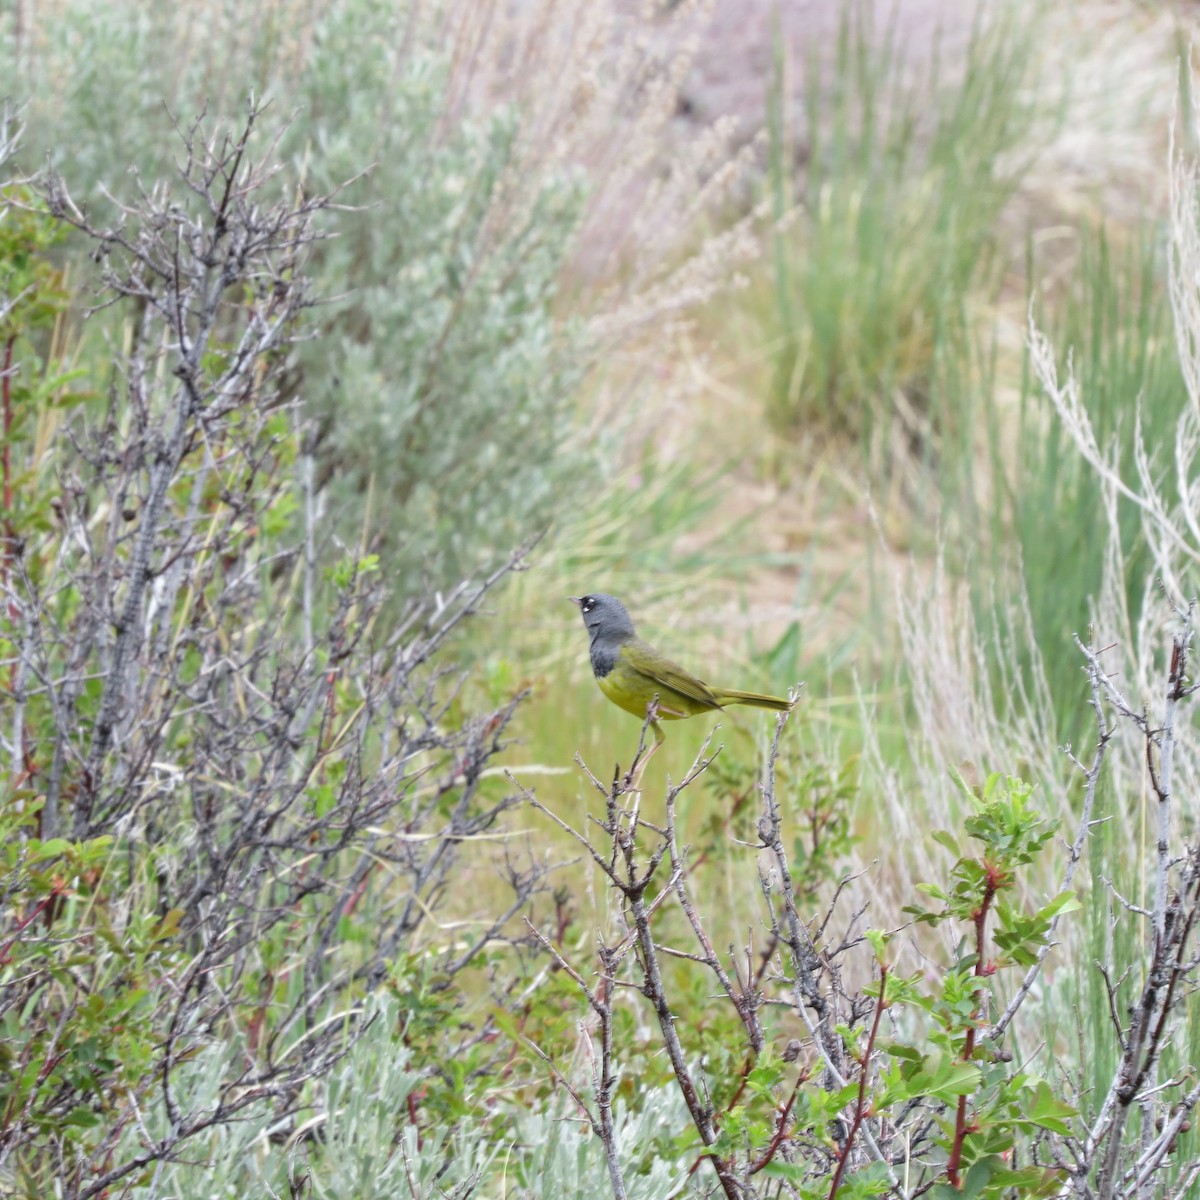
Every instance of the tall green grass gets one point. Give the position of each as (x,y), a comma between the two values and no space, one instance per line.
(897,254)
(894,234)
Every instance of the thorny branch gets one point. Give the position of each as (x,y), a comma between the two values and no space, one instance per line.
(275,780)
(1170,965)
(932,1138)
(629,850)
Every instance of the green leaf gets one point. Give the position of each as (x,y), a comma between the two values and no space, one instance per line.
(1064,902)
(169,925)
(54,848)
(1050,1112)
(945,838)
(792,1172)
(943,1191)
(324,798)
(954,1080)
(977,1178)
(82,1117)
(899,1050)
(767,1072)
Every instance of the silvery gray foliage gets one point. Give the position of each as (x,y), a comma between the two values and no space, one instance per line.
(446,382)
(350,1136)
(556,1155)
(445,379)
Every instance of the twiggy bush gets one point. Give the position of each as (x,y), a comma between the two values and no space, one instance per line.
(235,799)
(867,1062)
(513,230)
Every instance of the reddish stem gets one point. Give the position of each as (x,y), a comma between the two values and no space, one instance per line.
(747,1067)
(781,1127)
(961,1126)
(562,919)
(8,420)
(6,556)
(414,1119)
(10,533)
(24,922)
(860,1107)
(355,896)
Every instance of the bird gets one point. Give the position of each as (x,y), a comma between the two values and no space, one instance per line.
(641,680)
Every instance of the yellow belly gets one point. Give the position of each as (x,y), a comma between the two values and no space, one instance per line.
(631,690)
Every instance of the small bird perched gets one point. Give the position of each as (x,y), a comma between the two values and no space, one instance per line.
(631,673)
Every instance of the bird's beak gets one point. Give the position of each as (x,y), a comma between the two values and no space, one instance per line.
(576,600)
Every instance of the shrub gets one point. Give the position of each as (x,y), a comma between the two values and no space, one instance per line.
(235,798)
(446,377)
(447,383)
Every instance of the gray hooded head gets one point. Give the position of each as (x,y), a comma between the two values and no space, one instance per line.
(608,625)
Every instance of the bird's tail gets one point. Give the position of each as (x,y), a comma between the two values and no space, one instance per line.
(755,698)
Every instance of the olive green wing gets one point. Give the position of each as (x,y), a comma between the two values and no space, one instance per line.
(667,674)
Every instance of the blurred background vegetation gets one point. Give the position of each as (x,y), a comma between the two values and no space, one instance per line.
(490,365)
(757,378)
